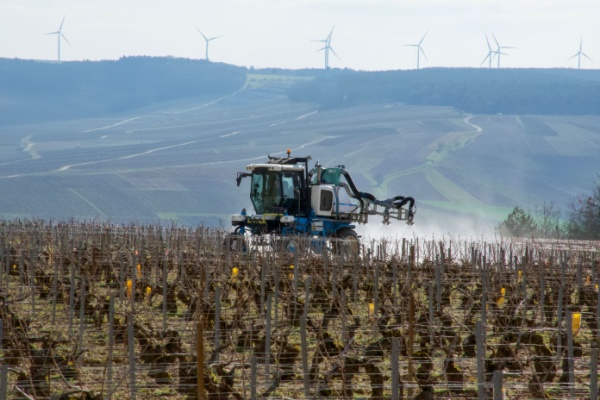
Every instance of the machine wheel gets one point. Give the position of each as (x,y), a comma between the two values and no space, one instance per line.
(235,242)
(284,244)
(346,243)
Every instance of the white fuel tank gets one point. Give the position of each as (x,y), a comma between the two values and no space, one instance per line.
(327,200)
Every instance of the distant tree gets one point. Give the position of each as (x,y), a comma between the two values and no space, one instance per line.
(548,220)
(518,224)
(584,217)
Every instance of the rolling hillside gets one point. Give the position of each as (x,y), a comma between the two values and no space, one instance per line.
(176,158)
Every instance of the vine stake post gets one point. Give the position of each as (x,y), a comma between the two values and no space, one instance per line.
(131,345)
(498,390)
(71,300)
(411,320)
(81,318)
(32,279)
(304,348)
(200,358)
(431,313)
(395,375)
(54,291)
(268,338)
(304,342)
(598,314)
(164,287)
(438,283)
(111,343)
(200,342)
(570,353)
(594,374)
(480,361)
(3,381)
(217,321)
(542,295)
(560,319)
(253,373)
(276,305)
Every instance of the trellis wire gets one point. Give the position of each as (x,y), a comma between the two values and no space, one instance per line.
(337,336)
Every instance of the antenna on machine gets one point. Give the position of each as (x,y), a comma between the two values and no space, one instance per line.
(419,49)
(207,40)
(59,35)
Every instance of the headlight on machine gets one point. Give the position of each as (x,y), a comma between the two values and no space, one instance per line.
(238,219)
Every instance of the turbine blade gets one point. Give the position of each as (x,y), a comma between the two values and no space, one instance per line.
(423,38)
(585,55)
(52,33)
(216,37)
(488,42)
(331,49)
(484,60)
(204,36)
(64,37)
(496,40)
(423,52)
(61,23)
(570,58)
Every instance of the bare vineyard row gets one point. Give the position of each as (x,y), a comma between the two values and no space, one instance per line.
(97,311)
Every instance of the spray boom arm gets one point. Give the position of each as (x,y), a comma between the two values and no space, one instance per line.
(392,207)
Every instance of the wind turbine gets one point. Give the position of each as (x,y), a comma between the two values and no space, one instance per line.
(207,40)
(59,34)
(490,55)
(327,47)
(499,48)
(419,48)
(579,54)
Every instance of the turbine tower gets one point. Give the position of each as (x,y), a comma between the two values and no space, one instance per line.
(498,50)
(327,47)
(59,34)
(580,53)
(207,40)
(490,54)
(419,49)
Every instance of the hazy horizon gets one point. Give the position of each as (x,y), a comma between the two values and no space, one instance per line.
(262,34)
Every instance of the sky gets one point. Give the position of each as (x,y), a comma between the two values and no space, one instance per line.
(368,34)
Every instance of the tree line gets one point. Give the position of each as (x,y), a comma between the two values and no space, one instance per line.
(473,90)
(582,221)
(35,91)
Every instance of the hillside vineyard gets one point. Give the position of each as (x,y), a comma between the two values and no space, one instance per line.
(105,311)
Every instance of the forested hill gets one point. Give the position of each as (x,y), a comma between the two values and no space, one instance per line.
(474,90)
(32,91)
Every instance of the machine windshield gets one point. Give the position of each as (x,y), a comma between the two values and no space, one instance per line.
(274,192)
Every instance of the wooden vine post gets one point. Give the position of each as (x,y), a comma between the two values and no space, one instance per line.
(411,321)
(200,343)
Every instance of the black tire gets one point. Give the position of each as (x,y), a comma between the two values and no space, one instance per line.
(346,243)
(285,244)
(235,242)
